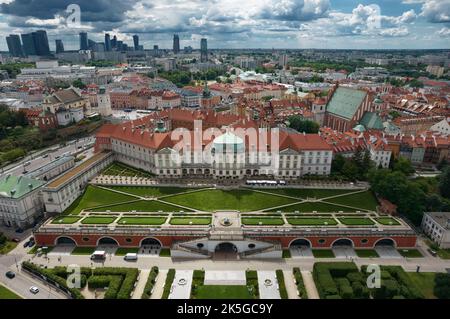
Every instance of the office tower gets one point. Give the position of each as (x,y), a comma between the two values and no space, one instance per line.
(107,42)
(41,43)
(59,46)
(119,46)
(136,42)
(91,45)
(124,47)
(203,50)
(14,45)
(176,44)
(84,44)
(28,44)
(114,42)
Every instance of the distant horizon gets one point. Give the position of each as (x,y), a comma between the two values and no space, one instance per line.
(234,24)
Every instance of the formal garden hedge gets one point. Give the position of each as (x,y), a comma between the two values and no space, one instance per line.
(340,280)
(252,282)
(198,279)
(168,284)
(52,276)
(299,283)
(442,286)
(150,283)
(395,284)
(281,284)
(120,281)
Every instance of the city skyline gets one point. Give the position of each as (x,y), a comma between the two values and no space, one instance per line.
(321,24)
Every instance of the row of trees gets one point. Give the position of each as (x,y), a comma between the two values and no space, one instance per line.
(413,196)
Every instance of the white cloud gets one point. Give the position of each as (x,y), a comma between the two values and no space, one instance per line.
(436,10)
(444,32)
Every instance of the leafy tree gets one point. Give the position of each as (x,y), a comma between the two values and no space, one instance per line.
(300,124)
(403,165)
(79,84)
(350,170)
(338,163)
(444,183)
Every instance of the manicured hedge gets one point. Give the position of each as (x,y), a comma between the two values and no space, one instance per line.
(331,279)
(150,283)
(47,273)
(395,282)
(169,280)
(252,282)
(300,284)
(281,284)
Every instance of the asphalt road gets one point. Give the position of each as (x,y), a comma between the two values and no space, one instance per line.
(22,282)
(37,160)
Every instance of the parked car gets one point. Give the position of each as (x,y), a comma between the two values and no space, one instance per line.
(16,240)
(26,244)
(10,274)
(19,230)
(31,243)
(34,289)
(432,252)
(45,156)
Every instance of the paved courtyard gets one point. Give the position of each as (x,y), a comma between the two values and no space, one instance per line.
(387,252)
(268,285)
(181,286)
(344,252)
(301,252)
(227,278)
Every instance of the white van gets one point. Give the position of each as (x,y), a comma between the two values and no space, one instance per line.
(131,257)
(98,255)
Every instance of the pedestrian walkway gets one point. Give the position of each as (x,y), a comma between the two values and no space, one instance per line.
(291,288)
(181,286)
(158,288)
(140,285)
(310,285)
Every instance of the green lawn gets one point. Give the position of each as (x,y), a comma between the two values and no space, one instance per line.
(444,253)
(83,251)
(366,253)
(323,253)
(66,220)
(164,252)
(365,200)
(387,221)
(311,221)
(242,200)
(353,221)
(286,253)
(312,207)
(94,196)
(188,220)
(140,206)
(123,251)
(150,191)
(264,221)
(5,293)
(410,253)
(119,169)
(307,193)
(223,292)
(425,282)
(98,220)
(7,247)
(142,220)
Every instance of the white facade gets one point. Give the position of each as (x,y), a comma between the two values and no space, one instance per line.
(62,192)
(66,117)
(442,127)
(437,227)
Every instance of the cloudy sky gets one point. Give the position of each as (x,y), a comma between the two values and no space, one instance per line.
(361,24)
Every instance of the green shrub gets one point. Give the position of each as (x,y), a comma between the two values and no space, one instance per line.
(355,277)
(150,283)
(442,286)
(333,297)
(169,280)
(281,284)
(300,284)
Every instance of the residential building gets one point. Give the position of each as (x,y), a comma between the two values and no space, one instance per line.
(68,105)
(436,225)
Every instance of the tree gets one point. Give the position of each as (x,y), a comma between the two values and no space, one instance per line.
(350,170)
(78,84)
(444,183)
(301,125)
(338,164)
(403,165)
